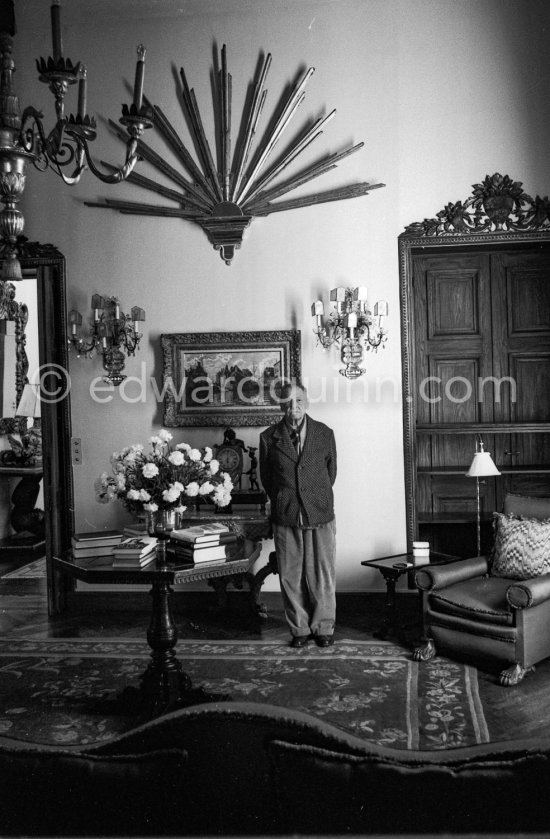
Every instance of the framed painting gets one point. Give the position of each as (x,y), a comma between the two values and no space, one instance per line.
(227,378)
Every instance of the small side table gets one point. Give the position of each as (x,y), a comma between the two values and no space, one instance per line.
(392,568)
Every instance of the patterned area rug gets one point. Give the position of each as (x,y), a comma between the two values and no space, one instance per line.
(48,688)
(35,570)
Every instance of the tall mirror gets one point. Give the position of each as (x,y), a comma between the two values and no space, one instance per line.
(36,432)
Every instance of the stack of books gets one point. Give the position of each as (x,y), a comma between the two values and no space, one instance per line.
(96,543)
(208,542)
(134,552)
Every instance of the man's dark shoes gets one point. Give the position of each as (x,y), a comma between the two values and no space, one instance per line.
(324,640)
(299,641)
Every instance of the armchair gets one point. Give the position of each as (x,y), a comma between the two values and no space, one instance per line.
(471,611)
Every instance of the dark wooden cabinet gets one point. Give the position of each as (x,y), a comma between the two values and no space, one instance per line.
(475,316)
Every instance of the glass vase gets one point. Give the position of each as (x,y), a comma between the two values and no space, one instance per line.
(161,523)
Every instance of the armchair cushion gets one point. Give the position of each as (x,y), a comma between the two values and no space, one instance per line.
(481,599)
(522,547)
(433,577)
(522,595)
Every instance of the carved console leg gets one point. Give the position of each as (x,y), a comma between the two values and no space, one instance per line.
(219,584)
(256,581)
(425,652)
(513,675)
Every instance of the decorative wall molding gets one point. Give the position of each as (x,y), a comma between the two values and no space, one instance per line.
(497,205)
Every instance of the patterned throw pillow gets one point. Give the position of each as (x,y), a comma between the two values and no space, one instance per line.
(522,547)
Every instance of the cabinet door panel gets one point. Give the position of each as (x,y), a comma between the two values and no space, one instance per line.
(453,346)
(521,334)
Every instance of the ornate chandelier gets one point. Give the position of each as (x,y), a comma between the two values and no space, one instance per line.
(352,326)
(23,137)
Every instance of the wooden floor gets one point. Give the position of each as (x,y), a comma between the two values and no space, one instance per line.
(521,711)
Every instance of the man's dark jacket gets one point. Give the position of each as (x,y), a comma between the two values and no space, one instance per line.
(295,483)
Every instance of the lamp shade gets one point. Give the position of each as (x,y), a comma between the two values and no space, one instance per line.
(482,466)
(29,404)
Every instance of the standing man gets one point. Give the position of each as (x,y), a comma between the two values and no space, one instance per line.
(298,469)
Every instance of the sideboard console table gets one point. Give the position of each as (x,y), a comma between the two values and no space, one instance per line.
(254,526)
(164,685)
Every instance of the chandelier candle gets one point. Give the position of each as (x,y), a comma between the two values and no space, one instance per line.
(56,30)
(140,75)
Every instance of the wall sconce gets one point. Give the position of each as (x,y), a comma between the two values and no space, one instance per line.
(113,334)
(23,137)
(352,326)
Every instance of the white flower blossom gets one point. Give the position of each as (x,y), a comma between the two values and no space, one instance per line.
(151,507)
(192,489)
(194,455)
(164,435)
(133,495)
(176,458)
(155,440)
(206,488)
(171,494)
(150,470)
(214,466)
(144,495)
(184,447)
(207,454)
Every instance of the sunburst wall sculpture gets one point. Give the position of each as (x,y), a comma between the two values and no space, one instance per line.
(224,197)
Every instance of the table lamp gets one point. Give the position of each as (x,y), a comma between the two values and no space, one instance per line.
(482,466)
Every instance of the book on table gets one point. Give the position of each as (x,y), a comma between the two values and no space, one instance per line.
(96,538)
(99,550)
(135,547)
(203,553)
(201,533)
(130,562)
(136,529)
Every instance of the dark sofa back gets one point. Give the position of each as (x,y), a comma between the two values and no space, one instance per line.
(244,768)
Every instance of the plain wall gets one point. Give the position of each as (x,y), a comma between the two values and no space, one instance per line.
(442,92)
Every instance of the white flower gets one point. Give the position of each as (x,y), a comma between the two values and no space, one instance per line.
(207,454)
(177,485)
(214,466)
(164,435)
(155,441)
(151,507)
(171,494)
(176,458)
(150,470)
(133,495)
(192,489)
(227,482)
(181,509)
(206,488)
(144,495)
(221,496)
(184,447)
(195,455)
(120,482)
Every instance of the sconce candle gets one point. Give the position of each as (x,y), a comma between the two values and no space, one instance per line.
(352,326)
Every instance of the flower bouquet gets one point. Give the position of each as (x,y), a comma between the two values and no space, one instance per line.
(158,482)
